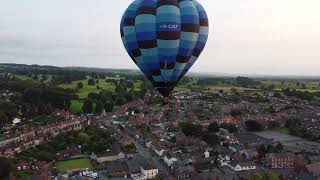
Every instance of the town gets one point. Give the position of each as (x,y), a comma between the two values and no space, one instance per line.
(205,133)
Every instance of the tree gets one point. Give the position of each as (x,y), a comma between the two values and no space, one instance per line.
(231,127)
(279,147)
(108,106)
(213,127)
(271,176)
(3,118)
(262,149)
(84,138)
(255,176)
(80,85)
(210,139)
(99,107)
(234,90)
(235,112)
(87,106)
(6,166)
(93,96)
(253,125)
(91,82)
(190,129)
(277,95)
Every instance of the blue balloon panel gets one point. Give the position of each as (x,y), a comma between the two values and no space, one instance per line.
(164,38)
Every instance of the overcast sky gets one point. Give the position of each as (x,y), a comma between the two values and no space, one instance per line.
(274,37)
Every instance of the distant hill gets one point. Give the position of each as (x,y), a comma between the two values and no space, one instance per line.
(6,66)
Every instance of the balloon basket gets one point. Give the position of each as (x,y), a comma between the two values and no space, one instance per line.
(166,104)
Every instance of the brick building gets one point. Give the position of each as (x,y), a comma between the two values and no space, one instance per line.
(280,160)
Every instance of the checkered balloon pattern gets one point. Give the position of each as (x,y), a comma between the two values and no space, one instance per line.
(164,38)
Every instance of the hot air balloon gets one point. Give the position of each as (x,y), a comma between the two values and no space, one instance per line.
(164,38)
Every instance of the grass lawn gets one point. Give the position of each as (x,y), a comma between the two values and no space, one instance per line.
(283,130)
(76,106)
(24,78)
(137,85)
(63,166)
(83,93)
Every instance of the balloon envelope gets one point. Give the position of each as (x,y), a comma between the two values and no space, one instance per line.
(164,38)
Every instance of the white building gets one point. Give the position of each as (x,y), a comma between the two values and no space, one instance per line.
(16,121)
(242,166)
(149,171)
(206,154)
(224,161)
(169,160)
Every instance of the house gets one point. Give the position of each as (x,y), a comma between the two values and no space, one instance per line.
(126,141)
(313,159)
(117,169)
(314,169)
(134,169)
(16,121)
(242,166)
(203,165)
(141,169)
(149,170)
(22,166)
(107,157)
(206,154)
(158,148)
(40,168)
(169,160)
(182,172)
(235,147)
(224,160)
(238,157)
(250,154)
(172,126)
(250,140)
(280,160)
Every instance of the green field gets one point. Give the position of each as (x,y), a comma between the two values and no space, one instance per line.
(63,166)
(24,77)
(76,106)
(83,93)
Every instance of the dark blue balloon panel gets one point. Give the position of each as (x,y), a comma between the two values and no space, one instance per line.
(164,38)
